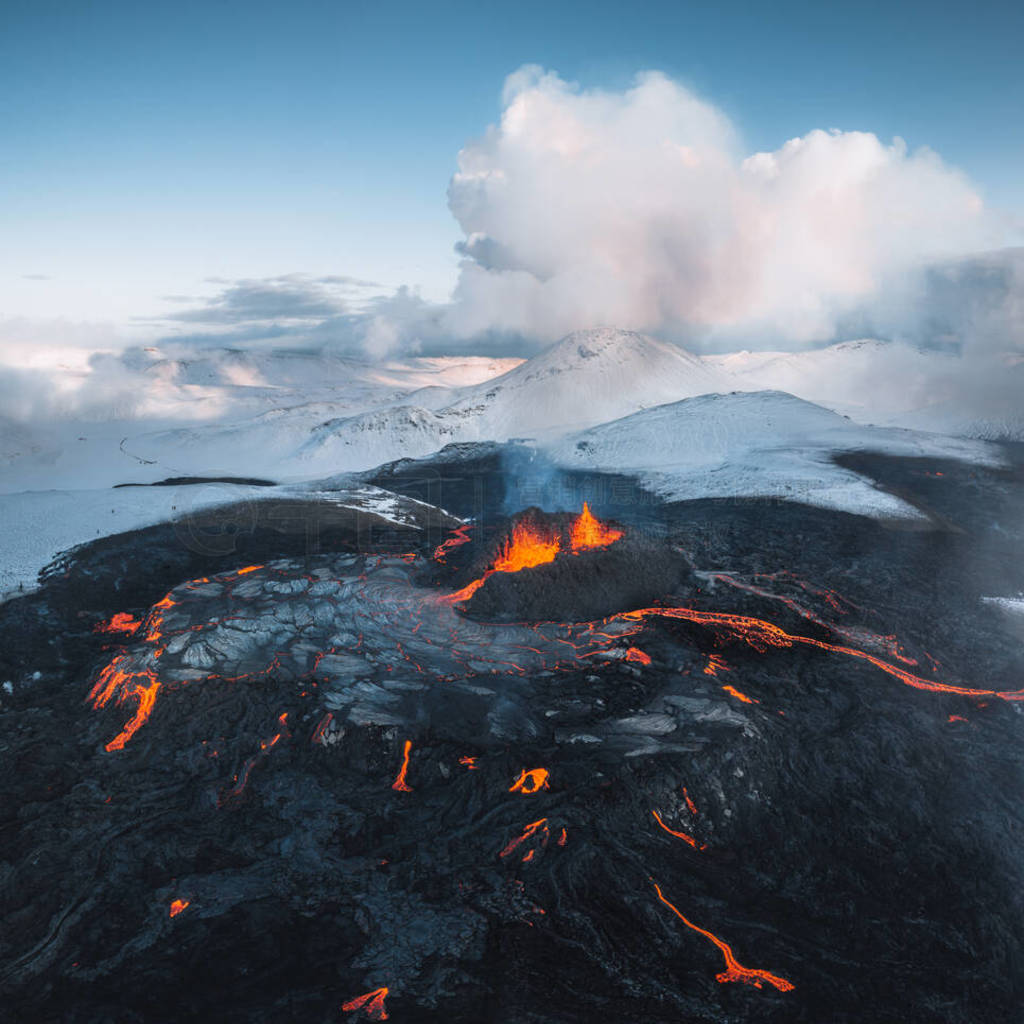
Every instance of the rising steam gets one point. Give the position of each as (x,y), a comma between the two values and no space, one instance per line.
(640,209)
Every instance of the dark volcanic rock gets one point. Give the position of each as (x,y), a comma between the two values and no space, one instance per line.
(584,586)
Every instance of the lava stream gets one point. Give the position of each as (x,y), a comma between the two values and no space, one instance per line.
(459,537)
(742,697)
(400,784)
(734,971)
(371,1003)
(762,635)
(689,840)
(537,828)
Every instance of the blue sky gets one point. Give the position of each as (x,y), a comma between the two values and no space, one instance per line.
(148,147)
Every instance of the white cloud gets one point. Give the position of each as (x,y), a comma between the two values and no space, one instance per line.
(639,209)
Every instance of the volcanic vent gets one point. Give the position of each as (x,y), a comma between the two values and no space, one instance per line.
(567,568)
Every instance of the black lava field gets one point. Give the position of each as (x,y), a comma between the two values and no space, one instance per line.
(548,750)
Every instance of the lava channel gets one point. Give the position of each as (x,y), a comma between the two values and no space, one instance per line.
(734,970)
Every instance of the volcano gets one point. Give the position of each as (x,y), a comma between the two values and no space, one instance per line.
(567,568)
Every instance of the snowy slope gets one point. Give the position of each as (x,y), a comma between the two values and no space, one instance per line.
(38,525)
(361,442)
(251,413)
(757,444)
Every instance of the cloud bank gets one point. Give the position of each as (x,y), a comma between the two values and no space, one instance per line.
(640,209)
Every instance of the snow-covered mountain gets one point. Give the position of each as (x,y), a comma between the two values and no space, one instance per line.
(587,378)
(754,444)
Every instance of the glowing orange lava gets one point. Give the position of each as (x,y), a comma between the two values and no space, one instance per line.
(530,781)
(468,590)
(589,532)
(635,654)
(126,685)
(689,840)
(733,692)
(122,622)
(459,537)
(761,636)
(371,1003)
(177,906)
(400,784)
(734,971)
(715,665)
(526,548)
(537,828)
(469,763)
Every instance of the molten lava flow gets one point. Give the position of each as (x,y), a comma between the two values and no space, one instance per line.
(247,569)
(715,665)
(762,636)
(122,622)
(526,548)
(635,654)
(371,1003)
(469,763)
(691,806)
(400,784)
(689,840)
(734,971)
(116,680)
(530,781)
(733,692)
(459,537)
(957,718)
(537,828)
(589,532)
(177,906)
(468,590)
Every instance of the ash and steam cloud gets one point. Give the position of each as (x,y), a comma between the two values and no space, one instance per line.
(640,209)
